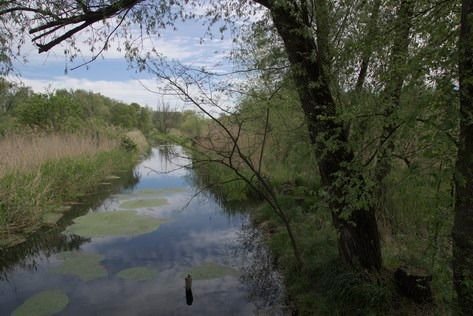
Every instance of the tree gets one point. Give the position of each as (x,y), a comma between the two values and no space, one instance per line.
(309,57)
(309,54)
(463,225)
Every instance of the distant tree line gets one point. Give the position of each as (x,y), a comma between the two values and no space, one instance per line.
(73,110)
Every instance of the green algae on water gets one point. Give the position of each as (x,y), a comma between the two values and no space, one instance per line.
(155,192)
(43,304)
(143,203)
(86,266)
(137,274)
(211,270)
(116,223)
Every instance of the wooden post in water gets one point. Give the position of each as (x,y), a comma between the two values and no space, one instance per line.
(189,296)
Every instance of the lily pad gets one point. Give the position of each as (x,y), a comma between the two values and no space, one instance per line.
(43,304)
(117,223)
(137,274)
(142,203)
(86,266)
(211,270)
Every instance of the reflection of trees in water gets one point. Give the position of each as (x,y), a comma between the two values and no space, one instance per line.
(199,179)
(49,241)
(167,153)
(26,254)
(264,283)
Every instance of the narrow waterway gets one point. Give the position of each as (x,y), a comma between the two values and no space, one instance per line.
(137,264)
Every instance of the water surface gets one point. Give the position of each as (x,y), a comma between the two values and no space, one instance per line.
(196,236)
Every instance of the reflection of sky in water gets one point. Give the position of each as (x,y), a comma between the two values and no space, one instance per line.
(192,235)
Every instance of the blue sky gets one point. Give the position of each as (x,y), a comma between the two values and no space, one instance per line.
(109,74)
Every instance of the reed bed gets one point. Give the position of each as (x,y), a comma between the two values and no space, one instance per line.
(20,153)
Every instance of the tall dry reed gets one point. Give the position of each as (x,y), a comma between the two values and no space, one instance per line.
(26,152)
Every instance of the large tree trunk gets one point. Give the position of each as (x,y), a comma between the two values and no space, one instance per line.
(310,64)
(463,225)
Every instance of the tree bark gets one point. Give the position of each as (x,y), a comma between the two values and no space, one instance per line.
(310,64)
(463,223)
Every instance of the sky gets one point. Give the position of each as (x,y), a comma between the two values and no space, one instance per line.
(110,74)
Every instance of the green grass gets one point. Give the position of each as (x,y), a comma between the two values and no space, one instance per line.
(30,200)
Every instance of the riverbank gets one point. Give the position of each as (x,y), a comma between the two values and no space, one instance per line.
(130,253)
(37,188)
(324,285)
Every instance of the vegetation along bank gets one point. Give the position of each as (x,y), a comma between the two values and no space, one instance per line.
(56,149)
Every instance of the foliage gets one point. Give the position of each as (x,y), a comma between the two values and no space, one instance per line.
(368,89)
(128,145)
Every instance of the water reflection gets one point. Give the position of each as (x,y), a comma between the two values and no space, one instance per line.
(189,296)
(265,284)
(203,232)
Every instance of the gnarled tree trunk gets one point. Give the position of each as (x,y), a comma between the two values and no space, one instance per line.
(310,65)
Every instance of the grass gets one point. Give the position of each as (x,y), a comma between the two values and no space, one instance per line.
(325,285)
(48,174)
(22,153)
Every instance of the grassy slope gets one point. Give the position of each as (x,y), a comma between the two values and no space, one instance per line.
(34,193)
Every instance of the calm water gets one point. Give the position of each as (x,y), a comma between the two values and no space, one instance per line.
(197,230)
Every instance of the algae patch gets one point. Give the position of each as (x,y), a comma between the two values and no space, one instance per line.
(155,192)
(137,274)
(211,270)
(117,223)
(86,266)
(142,203)
(43,304)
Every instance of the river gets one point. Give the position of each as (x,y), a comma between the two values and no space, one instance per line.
(138,267)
